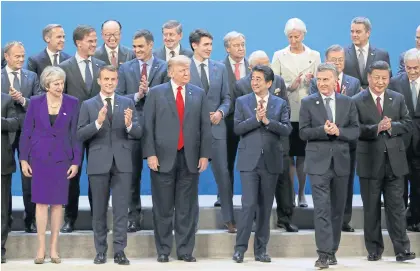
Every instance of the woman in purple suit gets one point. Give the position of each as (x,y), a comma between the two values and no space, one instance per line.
(50,154)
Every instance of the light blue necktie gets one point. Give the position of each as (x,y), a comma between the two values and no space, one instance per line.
(414,94)
(328,108)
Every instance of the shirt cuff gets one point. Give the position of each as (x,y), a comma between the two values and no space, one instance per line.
(136,97)
(129,127)
(223,114)
(24,102)
(98,126)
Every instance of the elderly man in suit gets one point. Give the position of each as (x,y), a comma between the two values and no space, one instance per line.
(21,84)
(112,52)
(284,189)
(382,162)
(408,84)
(136,77)
(177,145)
(361,54)
(349,86)
(401,68)
(53,35)
(212,76)
(237,68)
(172,35)
(81,82)
(261,119)
(9,125)
(107,122)
(328,122)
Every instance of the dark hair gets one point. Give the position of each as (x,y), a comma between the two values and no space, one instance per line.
(197,34)
(148,36)
(267,71)
(109,68)
(378,65)
(111,20)
(81,31)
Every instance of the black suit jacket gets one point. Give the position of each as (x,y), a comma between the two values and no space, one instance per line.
(161,53)
(351,66)
(39,62)
(75,85)
(124,54)
(9,125)
(232,81)
(371,146)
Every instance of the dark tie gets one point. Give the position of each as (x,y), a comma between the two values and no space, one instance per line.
(180,107)
(88,75)
(328,108)
(378,105)
(55,61)
(204,79)
(143,71)
(109,109)
(16,83)
(172,54)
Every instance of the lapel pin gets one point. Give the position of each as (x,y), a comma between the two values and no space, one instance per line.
(96,65)
(64,114)
(189,92)
(390,99)
(317,102)
(116,105)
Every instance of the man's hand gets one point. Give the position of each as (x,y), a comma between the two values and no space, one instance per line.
(202,164)
(308,77)
(261,112)
(73,169)
(384,124)
(331,128)
(102,114)
(153,163)
(215,117)
(16,95)
(128,115)
(143,87)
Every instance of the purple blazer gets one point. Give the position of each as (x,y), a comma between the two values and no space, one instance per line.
(40,140)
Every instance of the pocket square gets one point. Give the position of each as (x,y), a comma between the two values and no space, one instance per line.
(276,91)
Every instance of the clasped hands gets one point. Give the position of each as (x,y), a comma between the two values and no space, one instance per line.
(128,115)
(261,114)
(331,128)
(384,124)
(143,88)
(16,95)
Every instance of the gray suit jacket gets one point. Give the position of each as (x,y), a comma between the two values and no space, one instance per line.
(39,62)
(75,85)
(161,53)
(9,125)
(112,141)
(232,81)
(218,95)
(350,86)
(162,127)
(372,146)
(124,54)
(257,137)
(351,66)
(321,148)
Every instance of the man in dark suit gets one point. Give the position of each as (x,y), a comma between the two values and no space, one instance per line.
(328,122)
(107,122)
(21,84)
(361,54)
(382,162)
(212,76)
(136,77)
(349,86)
(284,190)
(172,35)
(112,52)
(3,60)
(261,119)
(177,145)
(401,68)
(237,68)
(408,84)
(9,125)
(53,35)
(81,82)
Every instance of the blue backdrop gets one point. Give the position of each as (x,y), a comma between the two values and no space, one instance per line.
(394,25)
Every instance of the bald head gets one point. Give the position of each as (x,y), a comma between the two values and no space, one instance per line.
(258,58)
(111,33)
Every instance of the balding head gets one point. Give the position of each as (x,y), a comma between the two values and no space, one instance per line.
(258,58)
(111,33)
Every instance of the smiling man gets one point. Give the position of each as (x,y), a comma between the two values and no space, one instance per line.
(172,35)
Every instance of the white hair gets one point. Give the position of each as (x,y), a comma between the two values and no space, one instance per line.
(230,36)
(412,54)
(294,24)
(256,55)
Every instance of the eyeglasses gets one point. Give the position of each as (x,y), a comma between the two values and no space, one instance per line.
(109,35)
(339,60)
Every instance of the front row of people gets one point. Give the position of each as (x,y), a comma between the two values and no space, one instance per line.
(177,142)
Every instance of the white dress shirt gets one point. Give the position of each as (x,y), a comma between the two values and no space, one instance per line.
(175,90)
(11,77)
(365,50)
(206,67)
(51,56)
(108,52)
(374,97)
(176,50)
(103,97)
(332,104)
(82,65)
(242,68)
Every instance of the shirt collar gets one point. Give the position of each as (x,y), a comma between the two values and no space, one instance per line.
(364,48)
(9,70)
(340,77)
(175,85)
(108,50)
(417,82)
(80,59)
(197,63)
(148,62)
(332,96)
(374,96)
(176,49)
(51,54)
(233,62)
(103,97)
(265,98)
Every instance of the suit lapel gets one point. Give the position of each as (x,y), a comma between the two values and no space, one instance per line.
(122,55)
(388,101)
(319,104)
(195,76)
(153,70)
(95,70)
(43,113)
(212,72)
(252,102)
(116,111)
(5,84)
(46,58)
(135,69)
(78,75)
(270,106)
(353,55)
(99,105)
(62,111)
(339,104)
(229,69)
(163,52)
(104,55)
(247,70)
(189,98)
(24,84)
(405,85)
(171,99)
(370,104)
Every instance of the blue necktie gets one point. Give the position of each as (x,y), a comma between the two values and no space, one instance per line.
(88,75)
(414,94)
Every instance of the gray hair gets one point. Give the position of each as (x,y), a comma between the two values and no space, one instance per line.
(179,60)
(46,32)
(333,48)
(294,24)
(327,67)
(256,55)
(11,44)
(412,54)
(51,74)
(230,36)
(363,20)
(173,24)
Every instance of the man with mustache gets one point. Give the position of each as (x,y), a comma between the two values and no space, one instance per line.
(172,35)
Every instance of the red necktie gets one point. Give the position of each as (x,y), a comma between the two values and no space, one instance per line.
(143,71)
(378,105)
(338,88)
(180,108)
(237,72)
